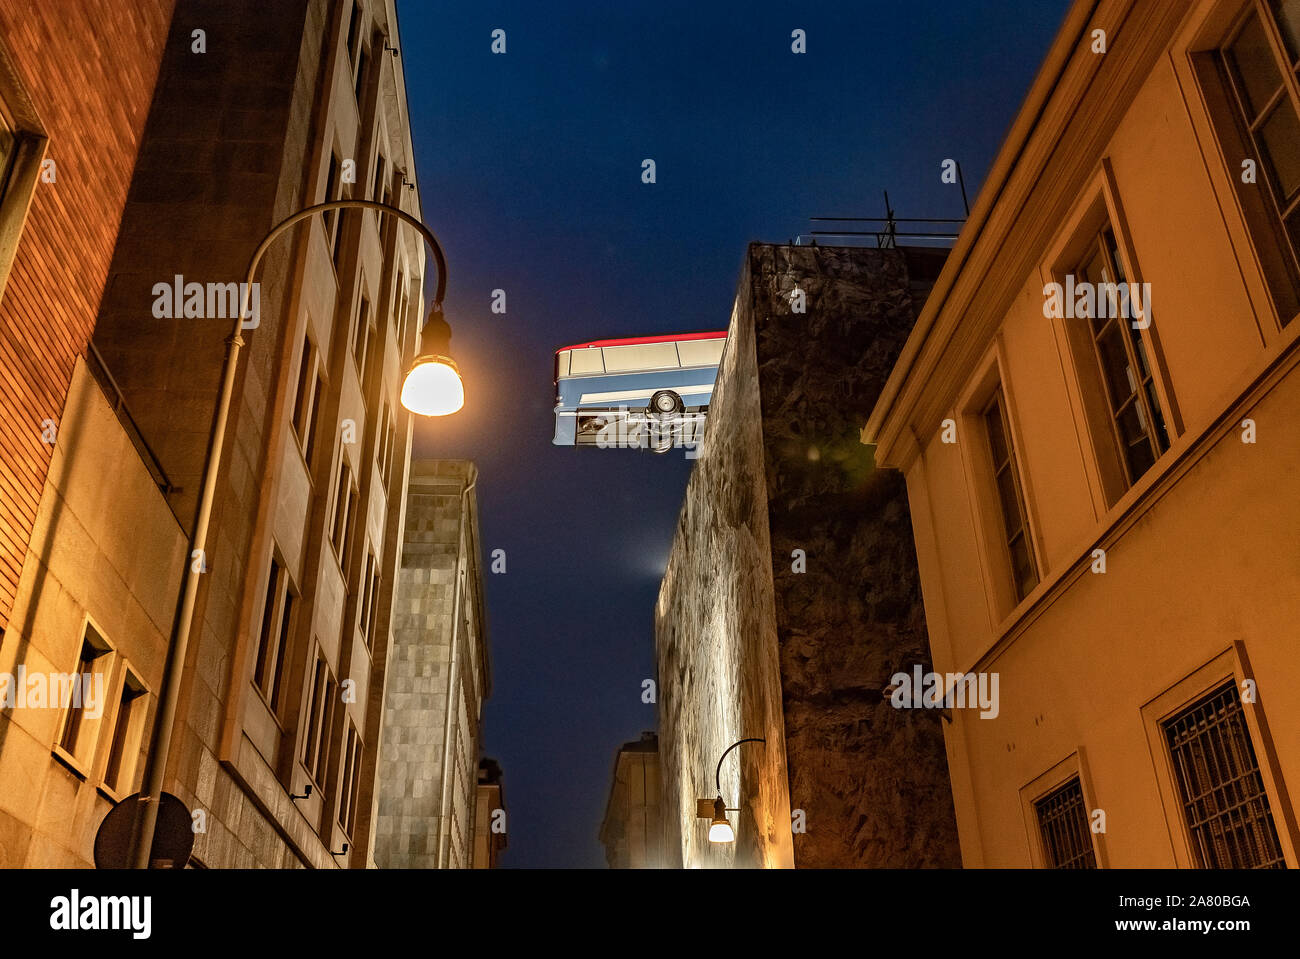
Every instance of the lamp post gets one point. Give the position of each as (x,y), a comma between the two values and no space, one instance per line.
(716,809)
(432,388)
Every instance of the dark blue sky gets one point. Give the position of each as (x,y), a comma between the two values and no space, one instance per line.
(529,166)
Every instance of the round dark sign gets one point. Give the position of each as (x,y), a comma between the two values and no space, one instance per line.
(173,836)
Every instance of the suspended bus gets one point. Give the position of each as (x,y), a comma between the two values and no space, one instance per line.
(646,392)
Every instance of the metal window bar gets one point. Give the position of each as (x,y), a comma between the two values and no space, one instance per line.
(1063,822)
(1220,785)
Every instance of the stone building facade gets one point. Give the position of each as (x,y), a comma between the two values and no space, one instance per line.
(791,593)
(632,831)
(259,111)
(1110,526)
(438,678)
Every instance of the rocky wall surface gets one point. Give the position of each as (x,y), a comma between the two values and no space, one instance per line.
(716,636)
(872,780)
(792,594)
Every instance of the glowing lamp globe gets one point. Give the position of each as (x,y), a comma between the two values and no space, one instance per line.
(433,387)
(720,831)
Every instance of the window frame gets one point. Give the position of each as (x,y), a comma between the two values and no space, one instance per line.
(130,737)
(313,751)
(1279,210)
(1073,766)
(345,496)
(281,608)
(1196,58)
(1107,474)
(998,576)
(1231,664)
(22,174)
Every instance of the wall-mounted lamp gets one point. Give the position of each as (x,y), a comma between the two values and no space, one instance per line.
(715,810)
(341,852)
(306,793)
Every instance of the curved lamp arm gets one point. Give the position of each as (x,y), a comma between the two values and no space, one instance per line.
(311,211)
(717,775)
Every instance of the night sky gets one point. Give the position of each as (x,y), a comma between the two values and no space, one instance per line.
(529,166)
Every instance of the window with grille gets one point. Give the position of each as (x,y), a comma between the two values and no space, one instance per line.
(1011,497)
(1063,823)
(1220,786)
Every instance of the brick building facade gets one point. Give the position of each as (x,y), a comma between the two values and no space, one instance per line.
(76,82)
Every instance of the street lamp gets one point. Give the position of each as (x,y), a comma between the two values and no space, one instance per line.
(716,810)
(433,386)
(435,390)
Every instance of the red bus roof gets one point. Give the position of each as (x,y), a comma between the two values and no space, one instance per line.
(636,340)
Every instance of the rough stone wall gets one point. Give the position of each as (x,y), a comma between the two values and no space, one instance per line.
(749,647)
(716,637)
(872,780)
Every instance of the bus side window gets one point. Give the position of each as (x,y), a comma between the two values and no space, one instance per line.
(701,352)
(585,361)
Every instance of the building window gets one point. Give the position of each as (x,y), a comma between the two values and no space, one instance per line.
(1121,357)
(8,148)
(387,441)
(345,501)
(1219,785)
(363,65)
(1261,61)
(1011,498)
(369,600)
(352,35)
(401,314)
(22,149)
(377,184)
(275,634)
(128,727)
(83,715)
(319,717)
(304,404)
(361,341)
(1063,823)
(351,780)
(332,218)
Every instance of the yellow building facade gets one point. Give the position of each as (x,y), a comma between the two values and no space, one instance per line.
(1096,415)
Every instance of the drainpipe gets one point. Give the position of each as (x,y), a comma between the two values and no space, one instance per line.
(453,683)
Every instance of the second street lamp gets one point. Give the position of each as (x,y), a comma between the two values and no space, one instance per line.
(435,389)
(719,826)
